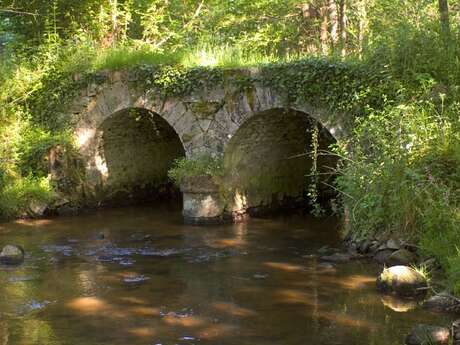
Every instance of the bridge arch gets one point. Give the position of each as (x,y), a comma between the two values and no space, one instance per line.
(268,161)
(129,157)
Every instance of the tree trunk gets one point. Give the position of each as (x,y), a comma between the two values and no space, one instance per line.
(343,27)
(444,17)
(324,29)
(334,23)
(362,26)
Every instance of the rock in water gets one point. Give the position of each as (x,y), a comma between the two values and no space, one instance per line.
(12,255)
(428,335)
(37,208)
(393,244)
(337,257)
(402,257)
(383,255)
(402,281)
(442,303)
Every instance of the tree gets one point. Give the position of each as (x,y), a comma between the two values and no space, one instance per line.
(444,19)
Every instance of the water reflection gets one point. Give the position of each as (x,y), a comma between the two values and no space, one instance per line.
(148,279)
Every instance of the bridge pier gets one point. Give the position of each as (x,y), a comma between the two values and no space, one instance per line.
(202,201)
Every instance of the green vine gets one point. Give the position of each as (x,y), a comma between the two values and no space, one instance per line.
(312,189)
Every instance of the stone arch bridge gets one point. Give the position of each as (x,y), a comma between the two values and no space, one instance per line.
(128,135)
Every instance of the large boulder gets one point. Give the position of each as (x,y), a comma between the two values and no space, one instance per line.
(428,335)
(402,281)
(12,255)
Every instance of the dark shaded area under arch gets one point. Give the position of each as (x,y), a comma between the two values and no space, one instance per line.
(267,161)
(139,147)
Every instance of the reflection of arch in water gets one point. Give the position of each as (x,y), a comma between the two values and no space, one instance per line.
(267,161)
(135,150)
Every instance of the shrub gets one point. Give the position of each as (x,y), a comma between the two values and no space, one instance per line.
(199,166)
(17,194)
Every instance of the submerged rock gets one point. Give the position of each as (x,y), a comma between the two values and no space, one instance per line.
(402,257)
(12,255)
(428,335)
(442,303)
(402,281)
(337,257)
(133,279)
(100,236)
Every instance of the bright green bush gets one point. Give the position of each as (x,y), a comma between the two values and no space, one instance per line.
(203,165)
(17,194)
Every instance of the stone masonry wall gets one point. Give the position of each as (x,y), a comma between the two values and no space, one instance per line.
(205,121)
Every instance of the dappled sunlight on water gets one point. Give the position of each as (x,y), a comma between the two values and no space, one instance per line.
(138,276)
(233,309)
(286,267)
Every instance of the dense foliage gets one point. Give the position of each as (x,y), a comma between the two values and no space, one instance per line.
(204,165)
(391,66)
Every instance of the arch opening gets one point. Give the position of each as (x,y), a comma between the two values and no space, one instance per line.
(136,150)
(268,163)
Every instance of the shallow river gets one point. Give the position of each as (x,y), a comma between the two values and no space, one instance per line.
(139,276)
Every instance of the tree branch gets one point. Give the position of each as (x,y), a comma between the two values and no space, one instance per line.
(8,10)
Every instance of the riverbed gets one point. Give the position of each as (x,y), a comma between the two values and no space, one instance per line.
(140,276)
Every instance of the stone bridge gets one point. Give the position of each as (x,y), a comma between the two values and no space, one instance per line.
(128,136)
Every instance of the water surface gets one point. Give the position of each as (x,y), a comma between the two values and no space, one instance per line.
(139,276)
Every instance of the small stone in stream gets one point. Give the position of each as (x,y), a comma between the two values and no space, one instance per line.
(106,258)
(187,338)
(135,279)
(402,281)
(139,237)
(382,256)
(309,256)
(402,257)
(324,249)
(126,262)
(326,266)
(364,247)
(393,244)
(100,236)
(442,303)
(12,255)
(428,335)
(337,257)
(260,276)
(32,306)
(374,247)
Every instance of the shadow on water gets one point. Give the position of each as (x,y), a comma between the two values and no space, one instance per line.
(139,276)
